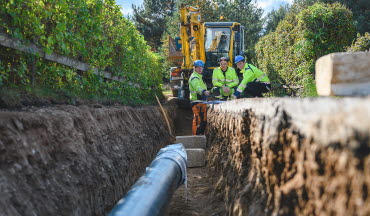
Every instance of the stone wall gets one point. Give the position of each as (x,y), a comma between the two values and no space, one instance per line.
(283,156)
(69,160)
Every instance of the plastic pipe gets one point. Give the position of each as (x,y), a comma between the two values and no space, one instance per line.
(151,194)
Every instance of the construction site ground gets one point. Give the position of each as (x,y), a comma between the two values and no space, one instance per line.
(199,198)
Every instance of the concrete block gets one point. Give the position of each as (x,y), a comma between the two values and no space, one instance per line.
(198,141)
(196,157)
(343,74)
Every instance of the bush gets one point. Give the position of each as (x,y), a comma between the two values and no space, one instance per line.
(362,43)
(288,54)
(94,32)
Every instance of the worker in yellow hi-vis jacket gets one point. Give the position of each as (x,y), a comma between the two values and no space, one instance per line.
(254,82)
(198,94)
(224,80)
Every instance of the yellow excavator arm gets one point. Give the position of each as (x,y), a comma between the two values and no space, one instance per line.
(192,35)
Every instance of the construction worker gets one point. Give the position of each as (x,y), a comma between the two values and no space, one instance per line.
(224,80)
(198,94)
(254,82)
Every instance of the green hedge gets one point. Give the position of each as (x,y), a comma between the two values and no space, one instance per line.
(94,32)
(362,43)
(288,55)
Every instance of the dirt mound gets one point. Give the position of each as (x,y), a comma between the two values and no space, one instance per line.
(292,156)
(68,160)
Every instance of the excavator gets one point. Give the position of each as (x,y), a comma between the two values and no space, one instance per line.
(207,41)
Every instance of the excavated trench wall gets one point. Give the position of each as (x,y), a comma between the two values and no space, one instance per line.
(286,156)
(71,160)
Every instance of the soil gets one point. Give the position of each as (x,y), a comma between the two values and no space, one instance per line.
(183,122)
(292,156)
(74,160)
(60,159)
(199,199)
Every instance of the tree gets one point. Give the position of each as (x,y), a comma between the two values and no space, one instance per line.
(288,54)
(150,19)
(359,8)
(274,17)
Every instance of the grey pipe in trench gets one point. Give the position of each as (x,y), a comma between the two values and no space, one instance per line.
(151,194)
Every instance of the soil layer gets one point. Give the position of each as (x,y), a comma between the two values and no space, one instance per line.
(68,160)
(284,156)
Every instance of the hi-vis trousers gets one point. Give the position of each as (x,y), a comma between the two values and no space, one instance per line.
(200,119)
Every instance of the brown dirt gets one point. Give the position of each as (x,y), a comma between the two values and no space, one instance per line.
(292,156)
(68,160)
(201,201)
(183,122)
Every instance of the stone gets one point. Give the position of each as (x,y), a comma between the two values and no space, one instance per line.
(196,141)
(196,157)
(343,74)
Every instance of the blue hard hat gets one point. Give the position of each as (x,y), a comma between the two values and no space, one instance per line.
(199,63)
(238,59)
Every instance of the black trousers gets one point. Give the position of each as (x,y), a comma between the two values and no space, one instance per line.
(255,89)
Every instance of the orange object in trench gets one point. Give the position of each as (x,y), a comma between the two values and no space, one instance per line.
(200,119)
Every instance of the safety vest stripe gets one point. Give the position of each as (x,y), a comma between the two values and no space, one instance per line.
(259,78)
(197,101)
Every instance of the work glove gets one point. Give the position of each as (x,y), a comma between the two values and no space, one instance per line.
(237,94)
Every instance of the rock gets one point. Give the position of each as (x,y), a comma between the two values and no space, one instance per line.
(343,74)
(196,157)
(193,141)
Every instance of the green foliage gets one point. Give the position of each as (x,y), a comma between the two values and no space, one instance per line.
(288,54)
(150,19)
(94,32)
(326,28)
(274,17)
(362,43)
(359,8)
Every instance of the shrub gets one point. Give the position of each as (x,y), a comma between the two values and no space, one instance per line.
(94,32)
(362,43)
(288,54)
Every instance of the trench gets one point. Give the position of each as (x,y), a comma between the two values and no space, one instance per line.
(200,197)
(264,157)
